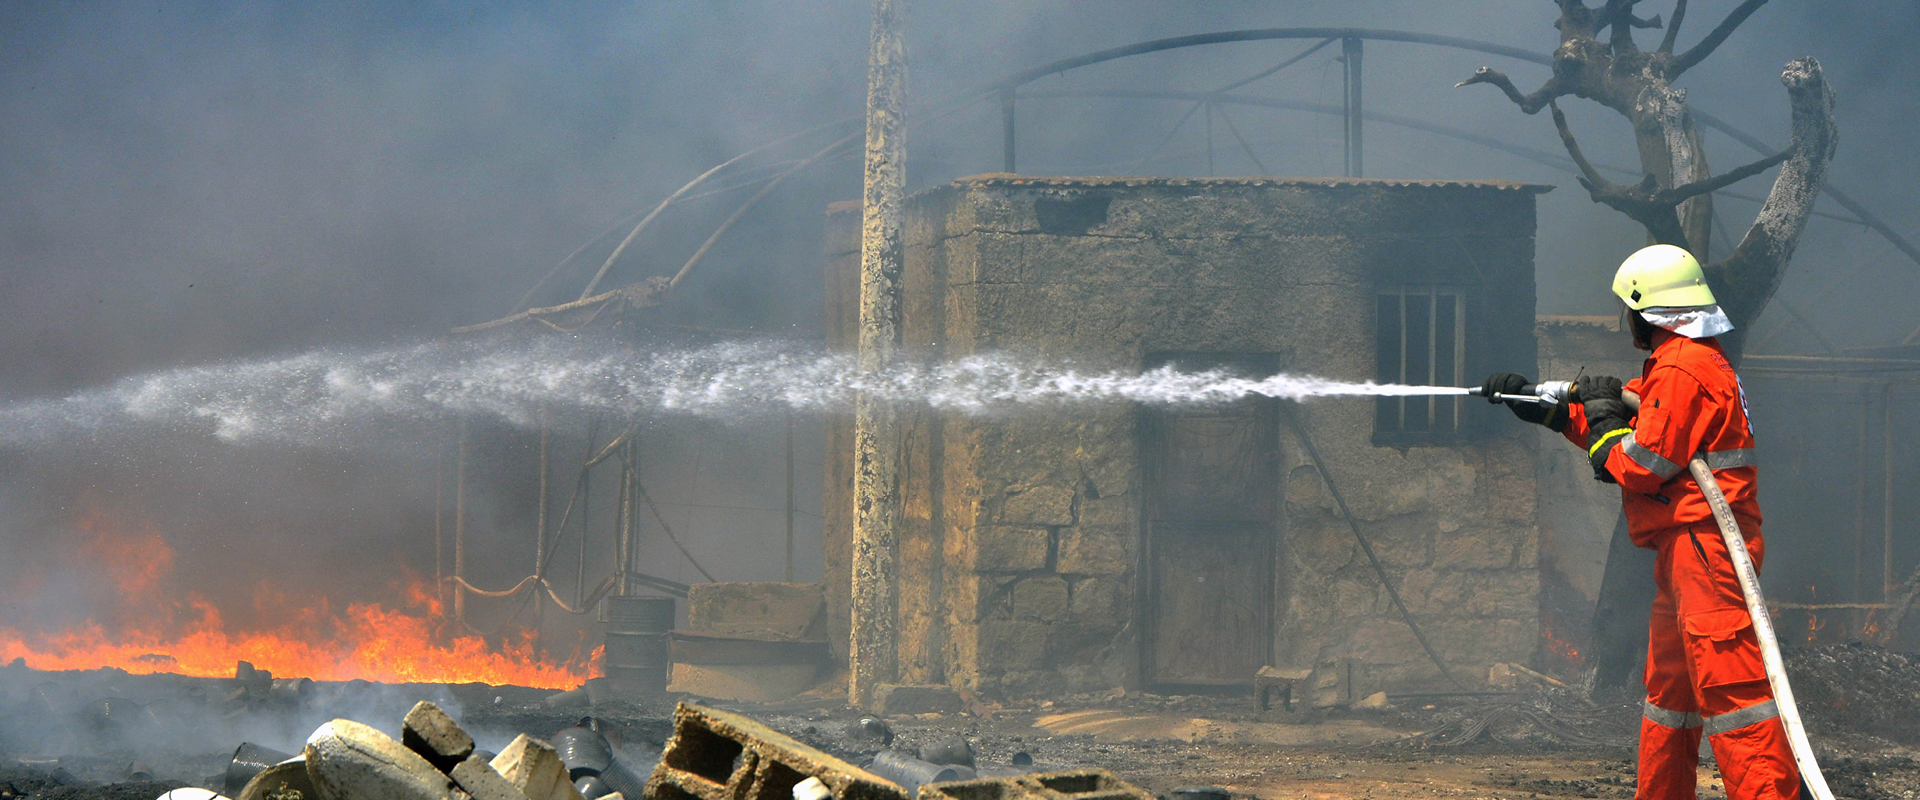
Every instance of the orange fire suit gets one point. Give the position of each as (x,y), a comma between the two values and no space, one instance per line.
(1704,672)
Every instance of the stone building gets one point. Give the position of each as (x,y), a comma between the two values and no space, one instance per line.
(1179,548)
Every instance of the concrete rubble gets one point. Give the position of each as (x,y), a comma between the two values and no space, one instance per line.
(434,759)
(721,755)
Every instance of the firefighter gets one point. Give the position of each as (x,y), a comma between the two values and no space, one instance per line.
(1704,675)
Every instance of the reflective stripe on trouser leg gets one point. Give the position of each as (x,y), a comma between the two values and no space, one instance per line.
(1675,719)
(1750,745)
(1741,718)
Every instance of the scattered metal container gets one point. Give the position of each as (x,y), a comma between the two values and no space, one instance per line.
(249,759)
(910,773)
(587,754)
(638,655)
(955,750)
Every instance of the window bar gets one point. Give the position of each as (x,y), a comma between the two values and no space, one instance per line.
(1459,354)
(1402,296)
(1419,356)
(1433,362)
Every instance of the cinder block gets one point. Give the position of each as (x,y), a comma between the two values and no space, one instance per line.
(435,736)
(1080,784)
(533,767)
(1278,689)
(1337,682)
(478,778)
(718,755)
(760,683)
(769,610)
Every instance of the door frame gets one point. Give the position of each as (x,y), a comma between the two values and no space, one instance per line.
(1150,429)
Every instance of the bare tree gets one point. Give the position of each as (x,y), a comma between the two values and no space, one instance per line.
(1673,202)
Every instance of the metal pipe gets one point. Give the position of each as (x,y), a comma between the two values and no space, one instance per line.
(1886,493)
(586,516)
(439,510)
(460,527)
(789,495)
(1860,499)
(540,525)
(1210,170)
(1026,76)
(1350,53)
(633,489)
(623,523)
(1762,628)
(1007,130)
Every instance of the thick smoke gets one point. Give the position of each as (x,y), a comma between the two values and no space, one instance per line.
(195,189)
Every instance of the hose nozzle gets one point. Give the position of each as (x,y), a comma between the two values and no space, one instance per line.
(1542,393)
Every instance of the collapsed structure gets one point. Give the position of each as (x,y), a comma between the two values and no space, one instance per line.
(1189,547)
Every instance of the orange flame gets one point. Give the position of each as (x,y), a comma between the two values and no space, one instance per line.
(181,632)
(1559,647)
(1814,622)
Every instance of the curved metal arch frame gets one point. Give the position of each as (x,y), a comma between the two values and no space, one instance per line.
(1007,88)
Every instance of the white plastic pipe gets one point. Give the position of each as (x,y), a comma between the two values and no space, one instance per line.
(1762,629)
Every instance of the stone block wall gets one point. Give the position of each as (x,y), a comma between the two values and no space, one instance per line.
(1023,550)
(1577,513)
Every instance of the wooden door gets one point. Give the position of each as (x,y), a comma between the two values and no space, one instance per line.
(1213,512)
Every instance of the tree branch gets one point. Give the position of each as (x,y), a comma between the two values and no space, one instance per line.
(1619,13)
(1699,52)
(1529,103)
(1673,28)
(1679,194)
(1751,274)
(1590,175)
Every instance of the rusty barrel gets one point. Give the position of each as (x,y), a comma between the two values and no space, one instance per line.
(638,658)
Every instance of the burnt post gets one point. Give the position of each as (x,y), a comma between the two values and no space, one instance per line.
(876,441)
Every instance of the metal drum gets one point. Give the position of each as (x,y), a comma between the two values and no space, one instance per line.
(638,657)
(249,759)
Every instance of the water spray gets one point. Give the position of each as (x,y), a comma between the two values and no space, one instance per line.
(324,396)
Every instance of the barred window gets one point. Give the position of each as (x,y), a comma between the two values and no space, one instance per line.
(1421,341)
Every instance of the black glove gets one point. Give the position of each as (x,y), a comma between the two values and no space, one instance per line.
(1552,416)
(1598,387)
(1606,426)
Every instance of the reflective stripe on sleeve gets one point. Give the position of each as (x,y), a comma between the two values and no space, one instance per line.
(1654,462)
(1608,439)
(1673,719)
(1758,712)
(1731,459)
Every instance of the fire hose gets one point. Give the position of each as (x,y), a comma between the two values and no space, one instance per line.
(1553,392)
(1749,578)
(1762,630)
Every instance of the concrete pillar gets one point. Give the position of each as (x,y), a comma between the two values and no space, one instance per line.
(872,653)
